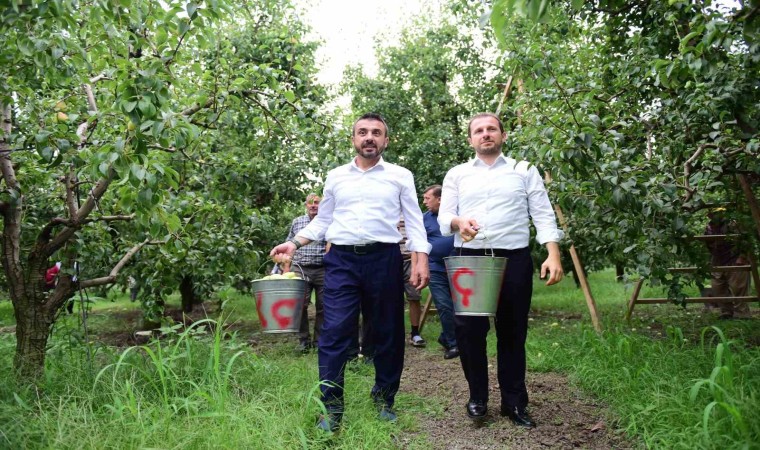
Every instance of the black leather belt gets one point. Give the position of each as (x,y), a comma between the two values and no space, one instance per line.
(363,249)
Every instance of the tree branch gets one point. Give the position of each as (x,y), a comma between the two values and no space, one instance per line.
(176,49)
(197,107)
(111,277)
(92,108)
(97,78)
(70,183)
(12,211)
(76,221)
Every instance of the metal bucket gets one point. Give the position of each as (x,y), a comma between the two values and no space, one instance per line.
(279,304)
(475,283)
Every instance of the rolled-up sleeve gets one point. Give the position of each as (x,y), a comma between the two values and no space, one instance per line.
(540,209)
(449,201)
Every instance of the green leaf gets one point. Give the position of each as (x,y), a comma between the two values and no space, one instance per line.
(128,106)
(173,223)
(25,46)
(191,9)
(138,171)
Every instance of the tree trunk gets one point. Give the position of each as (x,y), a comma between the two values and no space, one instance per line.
(33,325)
(35,311)
(188,293)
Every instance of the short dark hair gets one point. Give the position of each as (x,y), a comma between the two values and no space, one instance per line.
(480,115)
(371,116)
(436,188)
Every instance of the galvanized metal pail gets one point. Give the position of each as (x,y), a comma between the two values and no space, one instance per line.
(475,283)
(279,303)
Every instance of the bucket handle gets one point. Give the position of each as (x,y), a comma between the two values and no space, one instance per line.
(485,239)
(292,263)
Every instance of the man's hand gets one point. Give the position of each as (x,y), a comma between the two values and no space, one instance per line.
(552,265)
(420,276)
(283,253)
(468,228)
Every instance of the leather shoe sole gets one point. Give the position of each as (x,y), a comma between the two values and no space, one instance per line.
(519,418)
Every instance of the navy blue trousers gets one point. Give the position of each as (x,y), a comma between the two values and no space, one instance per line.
(372,283)
(439,287)
(511,332)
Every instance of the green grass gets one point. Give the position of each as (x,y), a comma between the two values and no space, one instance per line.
(672,378)
(201,388)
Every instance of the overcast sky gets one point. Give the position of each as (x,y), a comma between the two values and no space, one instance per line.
(349,27)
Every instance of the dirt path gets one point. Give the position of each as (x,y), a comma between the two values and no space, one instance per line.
(565,417)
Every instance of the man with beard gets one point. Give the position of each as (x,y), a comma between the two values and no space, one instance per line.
(498,197)
(361,205)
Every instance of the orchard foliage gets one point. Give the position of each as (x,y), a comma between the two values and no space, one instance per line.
(140,123)
(427,88)
(644,112)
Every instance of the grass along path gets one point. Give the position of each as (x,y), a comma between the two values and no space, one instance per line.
(669,380)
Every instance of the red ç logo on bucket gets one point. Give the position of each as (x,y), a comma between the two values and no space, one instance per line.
(283,321)
(466,292)
(262,319)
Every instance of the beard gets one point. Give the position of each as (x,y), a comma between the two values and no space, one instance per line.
(495,149)
(369,150)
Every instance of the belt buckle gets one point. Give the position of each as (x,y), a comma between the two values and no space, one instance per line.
(360,249)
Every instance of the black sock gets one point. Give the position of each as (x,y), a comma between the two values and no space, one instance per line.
(415,331)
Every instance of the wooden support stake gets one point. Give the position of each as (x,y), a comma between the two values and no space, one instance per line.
(634,298)
(425,310)
(578,267)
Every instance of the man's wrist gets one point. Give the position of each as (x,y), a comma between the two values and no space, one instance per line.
(296,242)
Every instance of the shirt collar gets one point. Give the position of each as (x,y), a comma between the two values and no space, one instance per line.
(380,164)
(501,159)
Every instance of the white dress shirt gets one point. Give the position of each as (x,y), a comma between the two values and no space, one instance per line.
(502,198)
(363,206)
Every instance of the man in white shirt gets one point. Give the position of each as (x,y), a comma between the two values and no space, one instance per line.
(360,207)
(498,197)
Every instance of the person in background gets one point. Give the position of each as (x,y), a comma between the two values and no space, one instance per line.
(134,289)
(363,270)
(500,197)
(309,264)
(724,252)
(439,280)
(413,296)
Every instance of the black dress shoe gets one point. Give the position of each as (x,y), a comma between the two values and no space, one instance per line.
(476,409)
(451,353)
(328,423)
(518,417)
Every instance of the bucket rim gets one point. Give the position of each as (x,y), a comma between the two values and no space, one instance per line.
(280,280)
(473,256)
